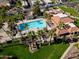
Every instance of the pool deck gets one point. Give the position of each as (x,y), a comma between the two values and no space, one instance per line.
(4,37)
(24,21)
(31,29)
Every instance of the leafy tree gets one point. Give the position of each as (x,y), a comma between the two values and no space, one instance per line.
(61,25)
(40,33)
(77,22)
(54,1)
(32,35)
(48,16)
(3,14)
(36,8)
(45,14)
(18,4)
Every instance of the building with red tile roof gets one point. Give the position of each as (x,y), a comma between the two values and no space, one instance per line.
(67,20)
(66,30)
(56,20)
(73,29)
(69,26)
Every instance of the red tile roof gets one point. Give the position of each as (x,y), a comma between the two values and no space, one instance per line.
(56,19)
(67,30)
(73,29)
(67,20)
(63,31)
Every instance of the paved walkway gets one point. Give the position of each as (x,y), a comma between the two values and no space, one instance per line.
(68,49)
(73,53)
(5,37)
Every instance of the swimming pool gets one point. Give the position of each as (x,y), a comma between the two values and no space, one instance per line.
(39,24)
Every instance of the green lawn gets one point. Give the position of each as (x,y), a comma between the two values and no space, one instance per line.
(77,22)
(73,0)
(46,52)
(72,11)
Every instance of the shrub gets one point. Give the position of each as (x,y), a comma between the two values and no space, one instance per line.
(75,39)
(45,43)
(58,40)
(1,49)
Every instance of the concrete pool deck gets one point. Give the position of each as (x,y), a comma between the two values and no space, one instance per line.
(32,24)
(4,37)
(24,21)
(32,29)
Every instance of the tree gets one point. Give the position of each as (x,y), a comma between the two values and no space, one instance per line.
(31,35)
(47,15)
(18,4)
(3,14)
(11,21)
(52,35)
(15,3)
(20,16)
(14,57)
(26,26)
(22,37)
(3,17)
(61,25)
(1,24)
(36,8)
(40,33)
(54,1)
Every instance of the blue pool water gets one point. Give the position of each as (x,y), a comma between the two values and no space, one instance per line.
(33,24)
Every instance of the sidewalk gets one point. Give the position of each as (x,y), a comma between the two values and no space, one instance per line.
(68,49)
(5,37)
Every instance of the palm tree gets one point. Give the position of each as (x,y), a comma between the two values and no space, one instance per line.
(61,25)
(20,16)
(45,14)
(3,13)
(54,1)
(18,4)
(31,34)
(1,24)
(32,37)
(46,34)
(36,8)
(40,33)
(15,3)
(51,34)
(22,37)
(3,18)
(48,16)
(11,21)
